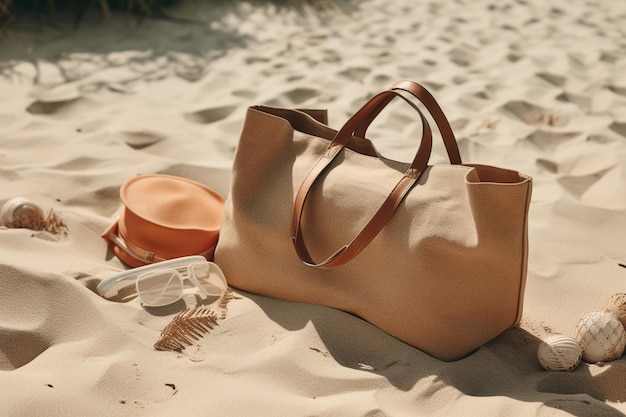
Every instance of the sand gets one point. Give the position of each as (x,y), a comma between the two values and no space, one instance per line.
(528,85)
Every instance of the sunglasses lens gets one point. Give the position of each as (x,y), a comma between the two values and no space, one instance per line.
(209,277)
(159,288)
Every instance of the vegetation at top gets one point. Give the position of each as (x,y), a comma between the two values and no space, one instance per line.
(46,10)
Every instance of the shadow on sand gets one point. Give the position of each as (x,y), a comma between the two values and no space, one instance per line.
(506,366)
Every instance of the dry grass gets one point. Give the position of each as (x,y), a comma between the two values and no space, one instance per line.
(11,10)
(46,10)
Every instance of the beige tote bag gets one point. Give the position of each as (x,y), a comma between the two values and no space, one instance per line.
(433,255)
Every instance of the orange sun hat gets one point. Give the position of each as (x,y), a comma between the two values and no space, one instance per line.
(165,217)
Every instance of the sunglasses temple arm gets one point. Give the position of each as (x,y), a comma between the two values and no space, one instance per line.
(110,287)
(123,246)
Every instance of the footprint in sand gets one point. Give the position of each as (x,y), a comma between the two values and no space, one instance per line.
(603,189)
(78,164)
(580,162)
(107,196)
(292,97)
(554,79)
(40,107)
(209,115)
(382,79)
(535,115)
(602,139)
(549,141)
(247,94)
(474,102)
(463,57)
(579,184)
(23,334)
(141,139)
(19,347)
(300,95)
(584,393)
(619,128)
(575,406)
(589,103)
(355,73)
(617,89)
(54,101)
(592,178)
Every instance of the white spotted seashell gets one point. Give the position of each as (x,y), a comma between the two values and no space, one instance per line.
(602,336)
(559,353)
(19,211)
(616,304)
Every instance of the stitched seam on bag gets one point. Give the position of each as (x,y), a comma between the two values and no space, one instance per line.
(524,267)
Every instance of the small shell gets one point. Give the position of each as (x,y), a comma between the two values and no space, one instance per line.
(616,304)
(21,212)
(559,353)
(602,337)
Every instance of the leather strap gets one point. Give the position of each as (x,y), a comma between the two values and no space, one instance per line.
(140,254)
(386,210)
(419,92)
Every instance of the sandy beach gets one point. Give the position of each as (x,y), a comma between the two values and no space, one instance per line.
(534,86)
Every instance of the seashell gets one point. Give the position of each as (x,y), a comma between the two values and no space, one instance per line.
(559,353)
(602,336)
(21,212)
(616,304)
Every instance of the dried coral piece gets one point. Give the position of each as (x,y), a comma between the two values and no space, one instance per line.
(20,212)
(54,224)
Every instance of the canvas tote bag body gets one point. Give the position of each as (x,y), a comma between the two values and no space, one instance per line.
(436,256)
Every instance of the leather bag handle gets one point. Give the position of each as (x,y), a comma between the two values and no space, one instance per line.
(386,210)
(423,95)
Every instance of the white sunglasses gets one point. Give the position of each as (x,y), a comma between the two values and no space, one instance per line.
(162,283)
